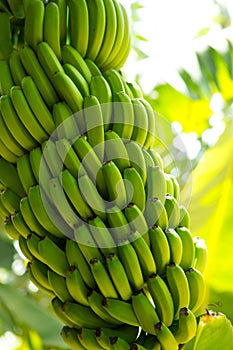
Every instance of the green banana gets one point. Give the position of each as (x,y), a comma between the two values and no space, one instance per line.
(118,343)
(135,89)
(102,279)
(119,276)
(110,32)
(37,202)
(24,248)
(37,283)
(25,172)
(187,326)
(59,200)
(72,190)
(95,301)
(123,116)
(37,104)
(34,21)
(127,332)
(197,288)
(62,5)
(5,215)
(137,221)
(51,27)
(26,116)
(115,185)
(135,191)
(16,67)
(150,138)
(30,218)
(158,161)
(155,213)
(145,312)
(87,243)
(70,337)
(100,88)
(135,346)
(10,200)
(76,258)
(173,211)
(114,80)
(91,163)
(97,24)
(169,185)
(20,225)
(140,130)
(34,69)
(50,160)
(94,124)
(115,51)
(16,7)
(40,173)
(121,310)
(58,285)
(9,142)
(94,69)
(10,229)
(14,124)
(119,226)
(165,337)
(66,123)
(115,150)
(176,187)
(79,25)
(77,78)
(68,91)
(83,316)
(131,264)
(178,286)
(175,245)
(160,248)
(32,244)
(184,217)
(88,339)
(5,36)
(188,254)
(92,196)
(6,77)
(102,235)
(47,58)
(57,308)
(136,158)
(72,56)
(54,256)
(162,299)
(6,153)
(10,178)
(40,272)
(201,253)
(76,286)
(144,254)
(156,183)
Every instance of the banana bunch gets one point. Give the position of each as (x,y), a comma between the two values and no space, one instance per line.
(82,187)
(98,29)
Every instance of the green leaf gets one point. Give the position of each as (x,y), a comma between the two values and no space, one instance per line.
(28,314)
(193,115)
(211,209)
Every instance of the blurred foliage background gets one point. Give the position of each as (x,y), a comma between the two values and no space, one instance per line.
(198,111)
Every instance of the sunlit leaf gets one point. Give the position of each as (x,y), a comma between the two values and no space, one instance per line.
(30,315)
(193,115)
(211,209)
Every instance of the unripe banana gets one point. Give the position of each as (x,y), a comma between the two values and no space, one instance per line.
(88,339)
(165,337)
(145,312)
(116,151)
(136,158)
(178,286)
(51,27)
(156,183)
(59,287)
(77,78)
(9,177)
(184,217)
(137,221)
(197,288)
(175,245)
(162,299)
(201,253)
(187,326)
(103,280)
(34,21)
(173,211)
(70,337)
(119,276)
(188,254)
(123,115)
(121,310)
(134,187)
